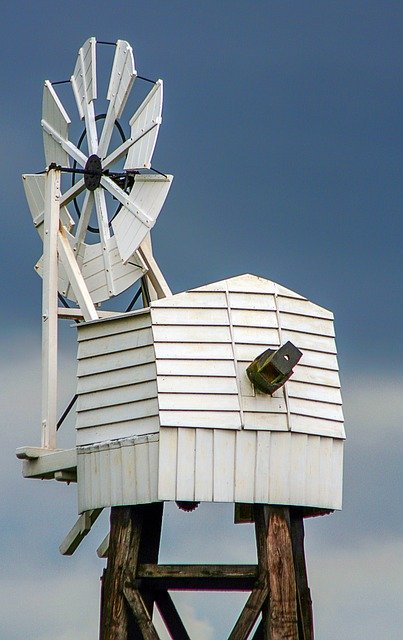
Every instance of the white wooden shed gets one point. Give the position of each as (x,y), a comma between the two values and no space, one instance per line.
(166,411)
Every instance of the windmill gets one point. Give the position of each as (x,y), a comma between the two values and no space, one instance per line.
(225,393)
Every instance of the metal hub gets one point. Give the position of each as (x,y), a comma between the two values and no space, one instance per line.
(93,172)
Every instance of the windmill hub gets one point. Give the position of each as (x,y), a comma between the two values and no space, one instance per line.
(93,172)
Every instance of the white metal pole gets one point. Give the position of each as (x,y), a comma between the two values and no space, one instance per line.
(49,309)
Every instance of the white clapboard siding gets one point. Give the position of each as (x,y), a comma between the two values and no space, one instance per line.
(242,317)
(205,368)
(117,378)
(252,467)
(119,472)
(116,430)
(117,390)
(120,360)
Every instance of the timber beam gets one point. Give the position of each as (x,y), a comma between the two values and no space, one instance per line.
(46,464)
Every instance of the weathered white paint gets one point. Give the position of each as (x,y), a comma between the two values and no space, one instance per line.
(253,467)
(118,472)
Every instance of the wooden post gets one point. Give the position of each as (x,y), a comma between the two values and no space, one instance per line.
(49,309)
(134,538)
(134,581)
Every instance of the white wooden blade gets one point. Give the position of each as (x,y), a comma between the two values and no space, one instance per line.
(123,75)
(145,125)
(75,277)
(139,212)
(34,187)
(104,234)
(66,145)
(54,114)
(84,83)
(84,78)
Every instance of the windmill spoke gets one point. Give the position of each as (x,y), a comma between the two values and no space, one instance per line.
(104,234)
(72,193)
(85,216)
(65,144)
(124,199)
(122,77)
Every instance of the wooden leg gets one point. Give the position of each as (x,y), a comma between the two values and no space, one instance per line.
(283,593)
(127,542)
(261,517)
(305,614)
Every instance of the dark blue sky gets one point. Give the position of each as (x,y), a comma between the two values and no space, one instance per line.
(282,127)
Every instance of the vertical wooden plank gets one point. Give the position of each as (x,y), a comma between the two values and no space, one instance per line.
(337,473)
(49,309)
(245,463)
(298,467)
(185,472)
(153,469)
(224,465)
(105,474)
(312,470)
(129,480)
(204,465)
(262,470)
(142,471)
(115,457)
(95,476)
(325,473)
(167,463)
(280,447)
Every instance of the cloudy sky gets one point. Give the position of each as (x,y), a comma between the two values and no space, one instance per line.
(283,131)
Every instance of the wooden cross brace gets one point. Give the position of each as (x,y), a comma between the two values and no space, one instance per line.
(134,581)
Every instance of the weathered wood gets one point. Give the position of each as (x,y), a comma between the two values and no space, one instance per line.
(126,526)
(170,616)
(261,517)
(305,614)
(250,612)
(198,577)
(141,614)
(79,531)
(283,621)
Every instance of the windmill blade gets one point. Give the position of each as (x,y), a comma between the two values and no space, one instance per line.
(144,125)
(56,118)
(104,235)
(85,216)
(66,145)
(34,187)
(139,212)
(84,83)
(123,75)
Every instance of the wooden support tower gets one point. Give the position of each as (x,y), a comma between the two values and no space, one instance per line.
(134,582)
